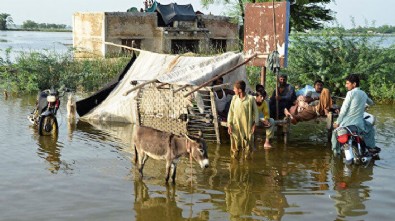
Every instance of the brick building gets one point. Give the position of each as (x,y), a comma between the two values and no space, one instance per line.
(153,31)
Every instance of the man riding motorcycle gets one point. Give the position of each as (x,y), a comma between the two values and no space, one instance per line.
(352,113)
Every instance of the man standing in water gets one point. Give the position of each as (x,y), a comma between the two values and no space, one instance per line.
(242,118)
(351,113)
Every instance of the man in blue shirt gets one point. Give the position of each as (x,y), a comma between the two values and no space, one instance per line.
(351,113)
(286,96)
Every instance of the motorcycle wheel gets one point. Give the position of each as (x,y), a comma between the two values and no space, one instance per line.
(47,126)
(357,156)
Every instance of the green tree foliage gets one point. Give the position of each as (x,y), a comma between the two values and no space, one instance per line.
(34,71)
(305,14)
(332,56)
(309,14)
(385,29)
(5,19)
(51,26)
(29,24)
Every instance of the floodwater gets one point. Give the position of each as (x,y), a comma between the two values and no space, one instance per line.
(28,41)
(87,173)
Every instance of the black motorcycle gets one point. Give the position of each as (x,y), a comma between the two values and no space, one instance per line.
(44,115)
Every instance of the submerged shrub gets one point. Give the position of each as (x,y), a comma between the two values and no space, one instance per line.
(33,71)
(331,56)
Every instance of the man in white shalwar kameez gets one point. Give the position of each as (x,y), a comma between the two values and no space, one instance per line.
(351,113)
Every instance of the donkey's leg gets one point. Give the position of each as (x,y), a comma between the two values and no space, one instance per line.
(168,170)
(142,160)
(174,171)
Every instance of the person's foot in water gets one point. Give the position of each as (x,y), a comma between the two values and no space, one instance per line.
(267,145)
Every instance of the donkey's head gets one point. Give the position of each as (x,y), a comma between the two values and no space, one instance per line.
(197,147)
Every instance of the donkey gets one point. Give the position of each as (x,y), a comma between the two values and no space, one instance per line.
(159,145)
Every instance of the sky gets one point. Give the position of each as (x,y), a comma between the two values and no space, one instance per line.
(364,12)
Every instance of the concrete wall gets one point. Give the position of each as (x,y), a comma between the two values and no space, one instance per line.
(88,34)
(132,25)
(221,27)
(170,34)
(91,30)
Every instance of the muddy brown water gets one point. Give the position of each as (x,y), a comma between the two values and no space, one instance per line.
(86,173)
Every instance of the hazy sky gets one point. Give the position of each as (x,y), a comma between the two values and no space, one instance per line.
(60,11)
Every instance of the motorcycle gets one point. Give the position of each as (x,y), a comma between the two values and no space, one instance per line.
(44,115)
(352,145)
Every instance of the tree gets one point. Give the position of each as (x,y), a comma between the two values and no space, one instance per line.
(5,19)
(29,24)
(305,14)
(332,55)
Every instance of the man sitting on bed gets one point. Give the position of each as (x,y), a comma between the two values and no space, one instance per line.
(312,105)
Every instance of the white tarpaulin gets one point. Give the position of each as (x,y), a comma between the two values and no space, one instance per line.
(174,69)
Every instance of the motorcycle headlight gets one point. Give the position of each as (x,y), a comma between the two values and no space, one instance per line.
(342,135)
(342,138)
(51,98)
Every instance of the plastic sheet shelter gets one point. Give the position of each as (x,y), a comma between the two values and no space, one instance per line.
(166,68)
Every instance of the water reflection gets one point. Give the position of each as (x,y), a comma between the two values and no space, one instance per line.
(107,131)
(239,198)
(71,127)
(249,194)
(351,192)
(155,207)
(50,149)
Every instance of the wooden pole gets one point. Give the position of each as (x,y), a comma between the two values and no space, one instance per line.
(263,76)
(180,88)
(5,94)
(161,85)
(139,86)
(222,74)
(215,115)
(123,46)
(277,111)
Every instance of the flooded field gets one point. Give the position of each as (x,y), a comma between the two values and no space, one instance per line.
(87,173)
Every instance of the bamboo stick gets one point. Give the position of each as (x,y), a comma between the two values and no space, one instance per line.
(222,74)
(215,114)
(277,111)
(123,46)
(161,85)
(263,76)
(220,86)
(139,86)
(179,89)
(205,128)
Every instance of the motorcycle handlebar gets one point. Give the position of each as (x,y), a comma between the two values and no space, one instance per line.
(60,92)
